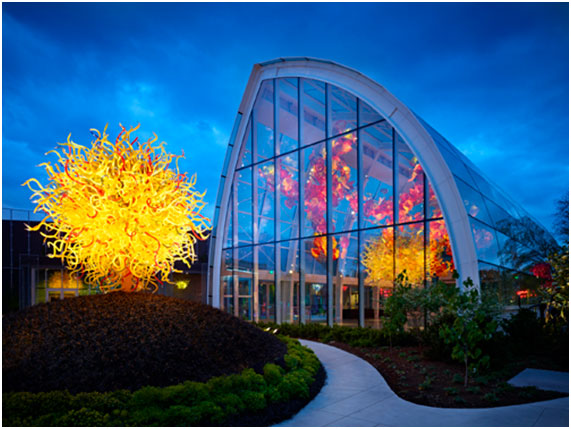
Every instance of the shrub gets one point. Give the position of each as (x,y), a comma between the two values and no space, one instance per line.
(353,336)
(188,404)
(83,417)
(272,374)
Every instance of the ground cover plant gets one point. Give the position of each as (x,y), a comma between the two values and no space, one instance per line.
(143,359)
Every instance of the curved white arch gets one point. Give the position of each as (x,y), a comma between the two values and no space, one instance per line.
(399,117)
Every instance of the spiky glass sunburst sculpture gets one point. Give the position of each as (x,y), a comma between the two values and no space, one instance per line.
(116,214)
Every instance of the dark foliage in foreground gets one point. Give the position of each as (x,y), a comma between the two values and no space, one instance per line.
(127,341)
(246,399)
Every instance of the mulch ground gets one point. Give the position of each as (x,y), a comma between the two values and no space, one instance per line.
(441,384)
(127,341)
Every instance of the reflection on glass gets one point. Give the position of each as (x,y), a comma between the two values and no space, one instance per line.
(263,119)
(498,214)
(344,199)
(243,205)
(377,174)
(473,202)
(289,275)
(313,104)
(315,190)
(410,184)
(266,283)
(508,287)
(377,264)
(491,282)
(438,252)
(287,114)
(288,195)
(315,283)
(409,252)
(367,115)
(343,111)
(246,150)
(229,229)
(346,280)
(266,201)
(485,241)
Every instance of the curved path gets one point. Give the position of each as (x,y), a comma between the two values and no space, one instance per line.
(355,394)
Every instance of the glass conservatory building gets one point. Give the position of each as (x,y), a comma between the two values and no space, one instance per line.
(331,187)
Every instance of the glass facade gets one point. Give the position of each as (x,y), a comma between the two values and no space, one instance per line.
(327,205)
(509,242)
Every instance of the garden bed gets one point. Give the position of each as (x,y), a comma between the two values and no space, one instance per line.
(140,359)
(426,374)
(441,384)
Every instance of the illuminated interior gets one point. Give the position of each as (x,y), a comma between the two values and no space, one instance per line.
(324,201)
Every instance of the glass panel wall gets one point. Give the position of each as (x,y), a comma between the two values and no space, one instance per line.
(263,121)
(288,191)
(314,254)
(409,252)
(342,111)
(227,279)
(313,107)
(265,201)
(246,149)
(410,179)
(289,281)
(244,267)
(485,241)
(266,283)
(315,190)
(367,115)
(243,208)
(377,271)
(229,230)
(345,278)
(433,208)
(344,200)
(377,174)
(287,114)
(281,239)
(439,263)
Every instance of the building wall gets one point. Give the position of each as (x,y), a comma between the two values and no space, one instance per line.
(328,205)
(30,277)
(323,165)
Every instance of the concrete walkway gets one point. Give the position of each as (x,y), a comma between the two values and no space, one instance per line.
(542,379)
(355,394)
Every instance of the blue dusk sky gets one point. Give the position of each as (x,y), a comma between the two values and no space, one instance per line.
(492,78)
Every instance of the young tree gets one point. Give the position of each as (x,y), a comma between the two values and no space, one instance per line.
(473,323)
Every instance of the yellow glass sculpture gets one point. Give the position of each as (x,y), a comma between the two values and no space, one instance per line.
(117,214)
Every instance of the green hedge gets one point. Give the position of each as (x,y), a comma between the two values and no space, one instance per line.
(354,336)
(215,402)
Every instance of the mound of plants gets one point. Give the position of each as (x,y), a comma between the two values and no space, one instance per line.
(245,399)
(127,341)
